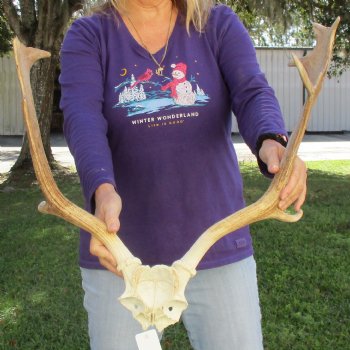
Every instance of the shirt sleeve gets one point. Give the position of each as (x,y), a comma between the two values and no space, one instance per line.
(253,100)
(82,86)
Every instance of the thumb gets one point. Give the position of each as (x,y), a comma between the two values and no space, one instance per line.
(269,154)
(112,219)
(273,162)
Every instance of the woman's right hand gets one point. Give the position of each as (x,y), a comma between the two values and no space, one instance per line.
(108,208)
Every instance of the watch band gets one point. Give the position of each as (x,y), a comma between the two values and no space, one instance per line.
(280,138)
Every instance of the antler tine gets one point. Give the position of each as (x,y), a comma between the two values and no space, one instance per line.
(312,69)
(56,203)
(314,65)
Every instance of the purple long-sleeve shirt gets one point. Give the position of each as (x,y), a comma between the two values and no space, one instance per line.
(164,141)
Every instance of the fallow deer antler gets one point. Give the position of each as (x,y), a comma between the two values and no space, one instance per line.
(56,203)
(155,295)
(312,69)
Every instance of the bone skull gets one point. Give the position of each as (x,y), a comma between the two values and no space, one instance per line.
(155,295)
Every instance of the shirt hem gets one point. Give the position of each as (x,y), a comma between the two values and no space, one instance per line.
(204,265)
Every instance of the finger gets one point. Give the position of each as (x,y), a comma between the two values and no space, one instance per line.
(110,267)
(297,181)
(295,192)
(105,257)
(300,201)
(98,249)
(291,187)
(292,195)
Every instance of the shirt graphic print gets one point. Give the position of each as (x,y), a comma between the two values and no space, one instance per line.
(147,95)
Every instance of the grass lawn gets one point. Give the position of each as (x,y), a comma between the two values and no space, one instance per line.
(303,269)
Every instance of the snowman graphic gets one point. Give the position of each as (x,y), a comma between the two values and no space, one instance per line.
(181,88)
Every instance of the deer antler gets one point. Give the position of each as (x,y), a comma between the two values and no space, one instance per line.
(312,69)
(56,203)
(155,295)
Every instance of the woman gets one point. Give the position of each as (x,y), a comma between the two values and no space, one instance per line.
(148,88)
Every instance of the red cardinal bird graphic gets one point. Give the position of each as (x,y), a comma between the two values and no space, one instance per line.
(143,77)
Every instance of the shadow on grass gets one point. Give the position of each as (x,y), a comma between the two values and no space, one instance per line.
(40,296)
(302,270)
(41,300)
(303,267)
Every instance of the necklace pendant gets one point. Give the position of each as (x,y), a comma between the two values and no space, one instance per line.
(159,71)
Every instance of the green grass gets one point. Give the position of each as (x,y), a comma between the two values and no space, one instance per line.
(303,269)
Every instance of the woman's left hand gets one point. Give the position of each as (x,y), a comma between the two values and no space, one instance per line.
(271,153)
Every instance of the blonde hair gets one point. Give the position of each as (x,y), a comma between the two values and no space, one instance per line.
(195,12)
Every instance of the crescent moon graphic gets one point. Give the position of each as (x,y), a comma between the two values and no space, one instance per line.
(124,71)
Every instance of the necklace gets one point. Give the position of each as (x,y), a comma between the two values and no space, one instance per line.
(159,70)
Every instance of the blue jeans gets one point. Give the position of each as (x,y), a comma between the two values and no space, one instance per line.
(223,311)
